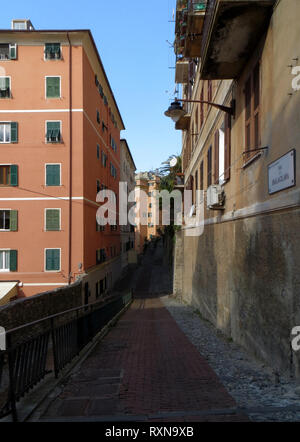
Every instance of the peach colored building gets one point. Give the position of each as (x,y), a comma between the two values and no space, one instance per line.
(60,144)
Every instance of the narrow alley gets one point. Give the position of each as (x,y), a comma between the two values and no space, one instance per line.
(145,369)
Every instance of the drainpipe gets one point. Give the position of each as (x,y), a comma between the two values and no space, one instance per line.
(70,161)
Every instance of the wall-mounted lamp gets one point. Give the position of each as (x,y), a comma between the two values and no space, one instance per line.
(176,110)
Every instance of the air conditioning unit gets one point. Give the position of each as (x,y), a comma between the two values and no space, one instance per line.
(215,197)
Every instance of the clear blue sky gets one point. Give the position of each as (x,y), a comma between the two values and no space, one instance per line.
(131,38)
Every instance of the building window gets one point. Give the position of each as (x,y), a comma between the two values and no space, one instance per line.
(5,87)
(103,159)
(209,166)
(53,134)
(52,51)
(52,220)
(8,260)
(221,145)
(100,256)
(113,171)
(98,186)
(9,175)
(227,147)
(52,260)
(209,91)
(113,144)
(9,220)
(9,132)
(98,152)
(8,51)
(98,116)
(114,228)
(252,107)
(53,88)
(53,172)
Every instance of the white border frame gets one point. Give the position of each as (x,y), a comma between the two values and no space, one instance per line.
(6,230)
(7,122)
(60,128)
(53,59)
(45,218)
(5,270)
(52,248)
(53,164)
(7,76)
(52,76)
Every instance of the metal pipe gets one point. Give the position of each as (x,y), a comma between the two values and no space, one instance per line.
(70,161)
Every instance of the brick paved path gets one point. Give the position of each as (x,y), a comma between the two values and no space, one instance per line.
(144,369)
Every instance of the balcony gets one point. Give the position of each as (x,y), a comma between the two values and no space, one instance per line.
(182,72)
(183,123)
(232,29)
(195,23)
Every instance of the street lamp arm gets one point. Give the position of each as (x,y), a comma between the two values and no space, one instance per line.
(230,110)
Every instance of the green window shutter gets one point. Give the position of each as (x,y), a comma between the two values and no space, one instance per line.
(52,259)
(53,87)
(14,132)
(53,175)
(13,220)
(14,175)
(52,219)
(13,51)
(53,131)
(13,260)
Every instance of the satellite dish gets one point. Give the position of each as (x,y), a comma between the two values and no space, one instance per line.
(173,162)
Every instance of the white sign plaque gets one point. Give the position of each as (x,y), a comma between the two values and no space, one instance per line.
(282,172)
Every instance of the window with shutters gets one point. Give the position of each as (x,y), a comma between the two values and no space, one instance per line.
(4,260)
(8,51)
(53,131)
(52,51)
(52,220)
(201,176)
(5,175)
(53,172)
(9,132)
(98,152)
(227,147)
(209,90)
(216,158)
(103,159)
(98,116)
(8,260)
(9,220)
(5,87)
(209,167)
(221,143)
(252,108)
(53,88)
(52,260)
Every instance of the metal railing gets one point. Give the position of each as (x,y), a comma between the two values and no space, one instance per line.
(48,345)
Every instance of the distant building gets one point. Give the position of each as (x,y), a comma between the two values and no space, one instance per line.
(148,228)
(127,173)
(60,144)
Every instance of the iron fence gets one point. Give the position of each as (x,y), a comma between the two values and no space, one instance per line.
(47,346)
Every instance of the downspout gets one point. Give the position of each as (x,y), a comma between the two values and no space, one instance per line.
(70,161)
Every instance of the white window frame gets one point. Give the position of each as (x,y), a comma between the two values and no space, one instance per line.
(221,177)
(53,76)
(5,230)
(53,164)
(53,59)
(45,218)
(52,248)
(6,123)
(7,76)
(6,270)
(60,129)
